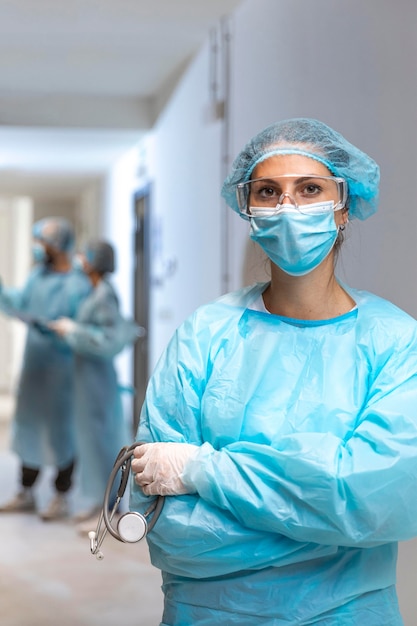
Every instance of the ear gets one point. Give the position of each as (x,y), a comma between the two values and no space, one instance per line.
(341,217)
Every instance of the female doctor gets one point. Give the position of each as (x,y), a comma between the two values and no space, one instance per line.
(283,417)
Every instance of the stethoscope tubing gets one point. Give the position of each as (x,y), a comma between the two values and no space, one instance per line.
(123,462)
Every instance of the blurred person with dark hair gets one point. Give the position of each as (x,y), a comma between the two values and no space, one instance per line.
(96,336)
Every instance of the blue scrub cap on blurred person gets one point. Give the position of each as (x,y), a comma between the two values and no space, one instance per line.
(100,255)
(56,232)
(314,139)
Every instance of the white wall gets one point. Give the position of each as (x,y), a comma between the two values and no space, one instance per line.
(15,260)
(118,227)
(88,212)
(185,204)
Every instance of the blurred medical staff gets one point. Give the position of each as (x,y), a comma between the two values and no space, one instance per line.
(43,423)
(96,336)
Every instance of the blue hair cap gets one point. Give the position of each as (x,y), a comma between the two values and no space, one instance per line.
(313,139)
(100,255)
(56,232)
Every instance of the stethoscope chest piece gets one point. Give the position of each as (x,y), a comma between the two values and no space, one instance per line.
(132,527)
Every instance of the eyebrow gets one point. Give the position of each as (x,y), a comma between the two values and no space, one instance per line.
(271,179)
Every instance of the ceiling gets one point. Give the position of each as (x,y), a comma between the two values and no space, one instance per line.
(81,81)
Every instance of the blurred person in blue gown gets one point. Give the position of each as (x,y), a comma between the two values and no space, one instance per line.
(96,336)
(281,421)
(43,422)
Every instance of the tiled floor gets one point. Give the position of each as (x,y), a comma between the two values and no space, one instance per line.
(49,578)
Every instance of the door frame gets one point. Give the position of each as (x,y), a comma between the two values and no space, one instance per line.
(141,293)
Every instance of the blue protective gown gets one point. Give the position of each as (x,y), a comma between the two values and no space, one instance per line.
(306,477)
(43,425)
(101,430)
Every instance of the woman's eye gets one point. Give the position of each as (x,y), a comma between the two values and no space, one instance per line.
(312,190)
(266,192)
(263,195)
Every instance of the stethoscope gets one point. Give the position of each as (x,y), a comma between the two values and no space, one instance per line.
(132,526)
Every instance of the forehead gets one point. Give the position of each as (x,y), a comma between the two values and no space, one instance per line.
(280,164)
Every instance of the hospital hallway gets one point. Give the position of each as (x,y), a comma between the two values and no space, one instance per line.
(48,576)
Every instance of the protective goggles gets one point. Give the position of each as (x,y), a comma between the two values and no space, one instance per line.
(267,195)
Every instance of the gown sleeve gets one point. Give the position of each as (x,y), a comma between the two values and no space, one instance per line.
(358,491)
(15,300)
(105,334)
(197,535)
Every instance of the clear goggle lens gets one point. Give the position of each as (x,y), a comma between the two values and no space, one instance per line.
(265,196)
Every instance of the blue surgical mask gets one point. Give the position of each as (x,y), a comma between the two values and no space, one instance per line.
(297,242)
(38,252)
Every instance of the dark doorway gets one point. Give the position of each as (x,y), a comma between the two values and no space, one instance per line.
(141,201)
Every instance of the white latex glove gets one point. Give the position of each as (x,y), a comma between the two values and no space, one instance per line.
(63,326)
(158,467)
